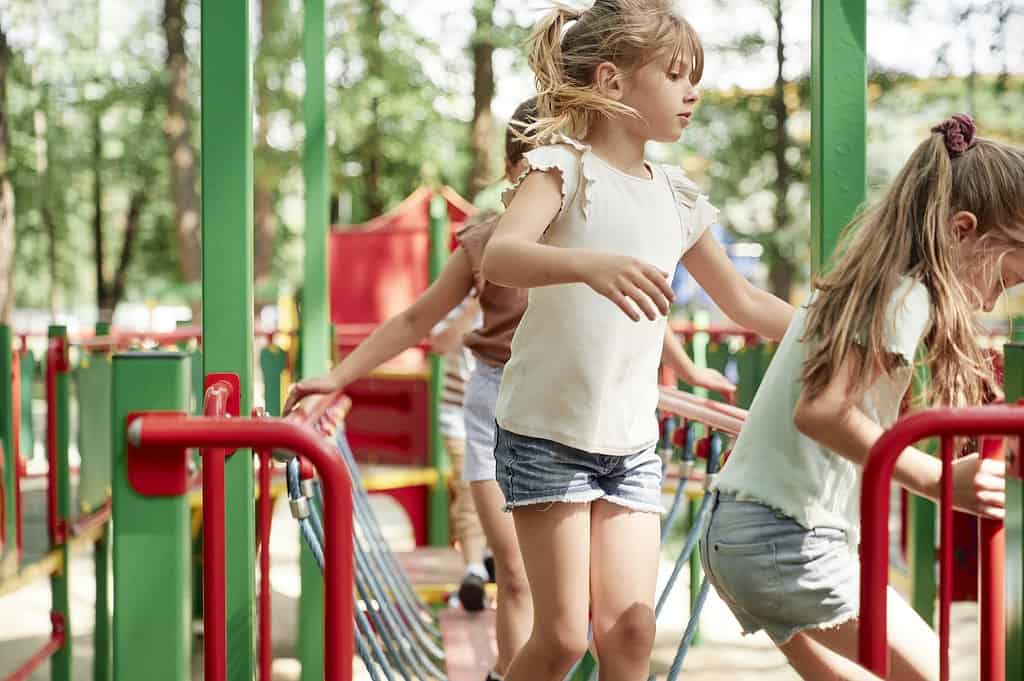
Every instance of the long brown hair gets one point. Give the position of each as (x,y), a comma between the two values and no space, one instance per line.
(909,234)
(627,33)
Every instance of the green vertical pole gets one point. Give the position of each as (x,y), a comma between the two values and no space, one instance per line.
(272,364)
(314,347)
(1014,527)
(10,447)
(152,633)
(922,522)
(28,378)
(60,663)
(102,650)
(228,286)
(437,528)
(838,120)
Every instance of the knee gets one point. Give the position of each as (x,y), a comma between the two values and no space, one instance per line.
(631,635)
(563,647)
(512,581)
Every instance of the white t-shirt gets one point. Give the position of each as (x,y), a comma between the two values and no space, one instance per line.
(582,373)
(774,464)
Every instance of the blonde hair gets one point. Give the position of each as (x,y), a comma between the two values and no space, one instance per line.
(627,33)
(909,233)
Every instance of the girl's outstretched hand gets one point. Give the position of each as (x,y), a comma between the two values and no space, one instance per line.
(979,486)
(714,381)
(622,279)
(319,385)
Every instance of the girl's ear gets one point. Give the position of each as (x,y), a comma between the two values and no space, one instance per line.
(608,80)
(964,224)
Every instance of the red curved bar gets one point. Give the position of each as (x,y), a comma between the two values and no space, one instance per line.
(55,643)
(56,363)
(721,407)
(215,644)
(874,550)
(992,611)
(693,410)
(87,523)
(157,430)
(265,519)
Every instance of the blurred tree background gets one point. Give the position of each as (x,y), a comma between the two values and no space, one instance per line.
(99,125)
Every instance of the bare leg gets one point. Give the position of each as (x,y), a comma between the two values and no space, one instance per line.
(515,609)
(555,543)
(623,589)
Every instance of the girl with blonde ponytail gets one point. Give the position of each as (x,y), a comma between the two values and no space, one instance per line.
(592,230)
(946,241)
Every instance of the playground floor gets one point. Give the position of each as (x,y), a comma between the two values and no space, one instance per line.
(723,654)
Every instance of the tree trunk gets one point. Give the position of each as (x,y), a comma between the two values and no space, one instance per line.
(263,183)
(103,303)
(372,149)
(131,230)
(781,268)
(6,194)
(482,141)
(178,131)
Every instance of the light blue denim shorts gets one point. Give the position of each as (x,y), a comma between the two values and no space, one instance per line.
(533,470)
(481,400)
(775,574)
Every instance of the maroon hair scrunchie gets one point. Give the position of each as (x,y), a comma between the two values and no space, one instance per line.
(959,132)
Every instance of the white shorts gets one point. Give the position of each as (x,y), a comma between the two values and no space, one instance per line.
(481,400)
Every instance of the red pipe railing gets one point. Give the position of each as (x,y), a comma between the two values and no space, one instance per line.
(215,645)
(55,643)
(716,415)
(56,362)
(157,430)
(992,565)
(265,518)
(945,423)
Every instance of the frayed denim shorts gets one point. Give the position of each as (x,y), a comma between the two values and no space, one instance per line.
(533,470)
(775,574)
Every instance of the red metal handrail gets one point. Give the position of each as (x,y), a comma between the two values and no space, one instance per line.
(874,574)
(716,331)
(56,642)
(215,645)
(56,363)
(716,415)
(156,430)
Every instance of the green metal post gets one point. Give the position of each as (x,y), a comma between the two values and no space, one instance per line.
(272,364)
(228,287)
(10,448)
(437,516)
(1014,524)
(314,346)
(152,633)
(922,524)
(838,120)
(103,652)
(28,380)
(60,663)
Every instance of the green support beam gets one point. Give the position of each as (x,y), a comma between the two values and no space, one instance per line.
(60,663)
(152,624)
(437,516)
(8,549)
(1014,524)
(314,344)
(228,286)
(838,120)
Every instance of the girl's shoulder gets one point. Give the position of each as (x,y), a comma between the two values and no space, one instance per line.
(567,157)
(696,212)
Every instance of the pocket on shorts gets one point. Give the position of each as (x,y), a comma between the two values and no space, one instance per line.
(748,572)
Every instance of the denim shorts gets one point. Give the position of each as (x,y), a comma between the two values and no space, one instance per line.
(481,400)
(533,470)
(775,574)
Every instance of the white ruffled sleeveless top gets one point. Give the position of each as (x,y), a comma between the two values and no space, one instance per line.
(582,373)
